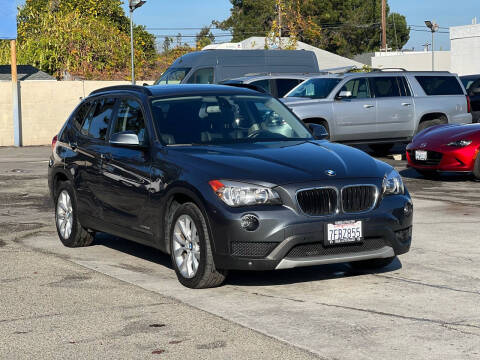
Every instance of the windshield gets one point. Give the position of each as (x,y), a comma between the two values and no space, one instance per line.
(173,76)
(318,88)
(225,119)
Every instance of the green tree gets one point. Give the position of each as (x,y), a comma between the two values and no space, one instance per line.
(204,37)
(345,27)
(85,38)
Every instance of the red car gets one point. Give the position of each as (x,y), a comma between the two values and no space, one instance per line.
(448,148)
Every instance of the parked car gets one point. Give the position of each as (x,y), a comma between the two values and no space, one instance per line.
(472,85)
(214,66)
(222,178)
(448,148)
(278,85)
(380,108)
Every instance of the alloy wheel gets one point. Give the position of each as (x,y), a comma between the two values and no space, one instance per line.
(186,246)
(64,214)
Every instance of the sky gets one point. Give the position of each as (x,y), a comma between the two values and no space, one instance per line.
(187,14)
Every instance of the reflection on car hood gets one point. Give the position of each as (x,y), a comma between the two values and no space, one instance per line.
(282,162)
(444,134)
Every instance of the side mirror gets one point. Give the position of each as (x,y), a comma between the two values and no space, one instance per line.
(319,132)
(344,95)
(125,139)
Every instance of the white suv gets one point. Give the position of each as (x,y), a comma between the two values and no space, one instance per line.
(380,108)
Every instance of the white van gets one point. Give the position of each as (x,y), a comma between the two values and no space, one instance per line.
(214,66)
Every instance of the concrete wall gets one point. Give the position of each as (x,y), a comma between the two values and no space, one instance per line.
(465,44)
(413,61)
(45,105)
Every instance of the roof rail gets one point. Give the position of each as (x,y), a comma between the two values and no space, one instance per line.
(391,68)
(136,88)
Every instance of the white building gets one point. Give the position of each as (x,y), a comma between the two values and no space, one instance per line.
(412,60)
(326,60)
(463,57)
(465,49)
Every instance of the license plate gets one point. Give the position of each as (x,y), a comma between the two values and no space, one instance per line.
(420,155)
(344,233)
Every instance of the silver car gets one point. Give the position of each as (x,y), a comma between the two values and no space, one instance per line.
(380,108)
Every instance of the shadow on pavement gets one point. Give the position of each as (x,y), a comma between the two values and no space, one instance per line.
(411,173)
(302,275)
(245,278)
(132,248)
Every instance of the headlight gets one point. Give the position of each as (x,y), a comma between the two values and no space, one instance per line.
(393,184)
(241,194)
(460,143)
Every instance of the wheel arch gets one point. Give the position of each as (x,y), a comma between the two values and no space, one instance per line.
(433,116)
(176,196)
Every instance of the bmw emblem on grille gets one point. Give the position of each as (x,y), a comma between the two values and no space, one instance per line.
(423,145)
(330,173)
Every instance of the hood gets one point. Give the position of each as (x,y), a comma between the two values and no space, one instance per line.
(444,134)
(282,162)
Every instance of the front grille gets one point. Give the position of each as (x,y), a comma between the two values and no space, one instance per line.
(433,158)
(358,198)
(252,249)
(318,249)
(318,202)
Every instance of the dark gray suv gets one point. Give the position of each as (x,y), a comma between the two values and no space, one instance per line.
(222,178)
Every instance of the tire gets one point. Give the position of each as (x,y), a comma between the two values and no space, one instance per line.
(69,229)
(476,168)
(191,254)
(372,264)
(381,149)
(429,123)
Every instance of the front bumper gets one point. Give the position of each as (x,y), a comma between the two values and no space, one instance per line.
(288,239)
(445,158)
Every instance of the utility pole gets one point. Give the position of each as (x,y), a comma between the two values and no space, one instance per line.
(384,26)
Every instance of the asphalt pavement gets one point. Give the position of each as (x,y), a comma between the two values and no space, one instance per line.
(117,299)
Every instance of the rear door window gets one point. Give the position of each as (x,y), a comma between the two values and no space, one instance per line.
(404,87)
(80,115)
(385,86)
(440,85)
(98,119)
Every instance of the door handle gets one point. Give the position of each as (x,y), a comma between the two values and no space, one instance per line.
(73,145)
(406,104)
(368,106)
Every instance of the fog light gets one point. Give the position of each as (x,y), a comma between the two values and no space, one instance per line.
(408,209)
(250,222)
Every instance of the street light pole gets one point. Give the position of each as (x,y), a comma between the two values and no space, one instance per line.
(131,47)
(433,26)
(133,4)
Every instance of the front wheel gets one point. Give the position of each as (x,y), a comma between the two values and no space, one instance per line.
(69,229)
(190,249)
(372,264)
